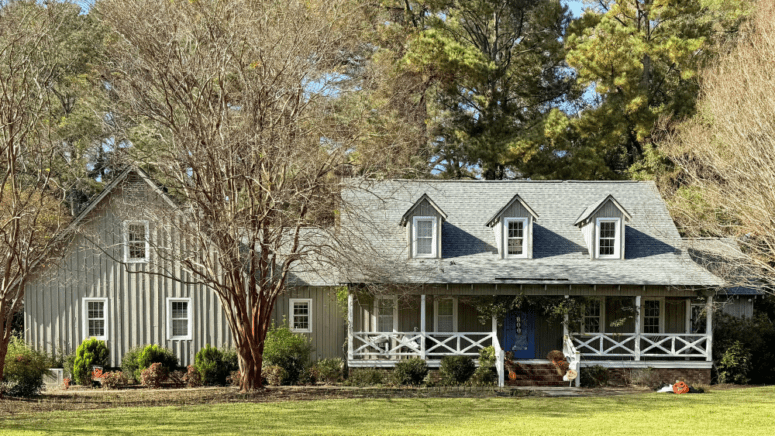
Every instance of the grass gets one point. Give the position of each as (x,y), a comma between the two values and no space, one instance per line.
(730,412)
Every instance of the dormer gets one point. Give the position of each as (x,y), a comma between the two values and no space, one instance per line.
(513,229)
(423,228)
(602,224)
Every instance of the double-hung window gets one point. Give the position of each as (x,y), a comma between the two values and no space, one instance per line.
(515,237)
(608,238)
(301,315)
(424,236)
(445,310)
(136,241)
(386,314)
(179,326)
(593,317)
(95,318)
(652,316)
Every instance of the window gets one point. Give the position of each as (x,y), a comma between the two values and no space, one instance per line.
(652,315)
(698,320)
(515,237)
(179,319)
(301,315)
(594,317)
(386,314)
(135,241)
(608,237)
(424,236)
(445,315)
(95,318)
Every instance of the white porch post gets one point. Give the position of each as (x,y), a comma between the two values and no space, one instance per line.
(422,326)
(565,332)
(349,326)
(499,356)
(709,327)
(637,327)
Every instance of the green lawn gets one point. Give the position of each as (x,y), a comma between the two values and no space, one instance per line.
(734,412)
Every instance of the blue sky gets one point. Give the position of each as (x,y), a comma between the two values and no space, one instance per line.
(576,7)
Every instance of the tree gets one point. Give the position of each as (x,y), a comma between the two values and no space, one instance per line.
(642,56)
(31,212)
(726,152)
(236,100)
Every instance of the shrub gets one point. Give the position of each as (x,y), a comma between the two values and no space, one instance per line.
(155,354)
(213,365)
(233,378)
(275,375)
(755,335)
(594,376)
(69,363)
(154,375)
(410,372)
(91,352)
(329,370)
(192,377)
(24,370)
(309,376)
(735,364)
(288,350)
(366,377)
(456,369)
(113,380)
(129,363)
(485,374)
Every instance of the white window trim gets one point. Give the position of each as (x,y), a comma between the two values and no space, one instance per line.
(434,241)
(85,311)
(291,303)
(617,238)
(661,314)
(601,302)
(525,235)
(190,318)
(436,314)
(126,241)
(375,317)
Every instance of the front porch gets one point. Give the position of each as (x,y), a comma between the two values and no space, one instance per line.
(659,332)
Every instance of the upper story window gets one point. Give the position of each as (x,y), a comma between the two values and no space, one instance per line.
(301,315)
(515,237)
(424,236)
(179,319)
(95,318)
(608,238)
(136,241)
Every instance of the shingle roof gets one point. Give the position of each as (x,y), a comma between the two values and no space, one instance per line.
(723,257)
(653,254)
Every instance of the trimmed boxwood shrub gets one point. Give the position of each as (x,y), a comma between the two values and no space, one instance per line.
(485,374)
(289,351)
(91,352)
(24,370)
(155,354)
(410,372)
(456,369)
(129,363)
(366,377)
(329,370)
(214,366)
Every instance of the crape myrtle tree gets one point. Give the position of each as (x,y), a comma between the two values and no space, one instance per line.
(234,99)
(31,199)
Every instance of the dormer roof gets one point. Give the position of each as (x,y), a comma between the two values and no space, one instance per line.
(591,210)
(516,198)
(424,197)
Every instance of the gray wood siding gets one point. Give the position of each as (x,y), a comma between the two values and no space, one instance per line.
(424,209)
(620,310)
(740,308)
(675,315)
(548,336)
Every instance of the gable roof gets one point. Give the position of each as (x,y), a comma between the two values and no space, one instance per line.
(591,210)
(417,203)
(491,222)
(723,257)
(560,254)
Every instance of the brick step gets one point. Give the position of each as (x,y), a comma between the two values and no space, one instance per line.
(535,375)
(536,383)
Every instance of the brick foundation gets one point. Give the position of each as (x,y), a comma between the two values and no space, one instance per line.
(658,376)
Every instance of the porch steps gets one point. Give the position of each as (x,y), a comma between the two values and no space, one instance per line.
(536,374)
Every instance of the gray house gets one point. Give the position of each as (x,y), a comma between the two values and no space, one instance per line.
(441,245)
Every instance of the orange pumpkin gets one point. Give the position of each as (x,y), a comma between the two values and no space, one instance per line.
(512,375)
(680,388)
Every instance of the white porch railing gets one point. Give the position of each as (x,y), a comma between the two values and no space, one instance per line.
(637,345)
(384,345)
(574,358)
(457,344)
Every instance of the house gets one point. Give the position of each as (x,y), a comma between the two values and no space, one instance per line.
(440,245)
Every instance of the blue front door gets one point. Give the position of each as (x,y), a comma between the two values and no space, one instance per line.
(519,333)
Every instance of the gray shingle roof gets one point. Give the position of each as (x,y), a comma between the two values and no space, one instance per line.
(653,254)
(723,257)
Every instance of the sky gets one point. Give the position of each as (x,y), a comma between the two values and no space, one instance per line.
(576,7)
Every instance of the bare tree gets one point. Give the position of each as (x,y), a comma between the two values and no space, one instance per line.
(31,211)
(727,152)
(237,100)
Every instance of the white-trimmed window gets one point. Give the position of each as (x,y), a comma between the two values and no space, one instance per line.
(95,318)
(179,325)
(445,314)
(301,315)
(652,317)
(136,241)
(594,317)
(515,237)
(424,238)
(608,238)
(386,313)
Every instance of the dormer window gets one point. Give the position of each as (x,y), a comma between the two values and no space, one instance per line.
(608,238)
(424,236)
(515,237)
